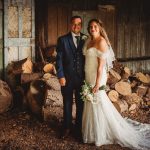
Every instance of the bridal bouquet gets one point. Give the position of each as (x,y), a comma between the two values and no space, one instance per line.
(86,92)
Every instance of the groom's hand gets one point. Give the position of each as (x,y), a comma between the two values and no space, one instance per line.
(62,81)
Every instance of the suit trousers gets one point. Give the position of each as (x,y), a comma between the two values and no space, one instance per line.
(73,86)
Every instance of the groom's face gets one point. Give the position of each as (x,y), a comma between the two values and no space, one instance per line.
(76,25)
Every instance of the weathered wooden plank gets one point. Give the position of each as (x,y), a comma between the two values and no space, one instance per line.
(1,4)
(137,66)
(52,25)
(62,25)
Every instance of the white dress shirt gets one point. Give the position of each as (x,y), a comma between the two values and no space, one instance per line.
(74,39)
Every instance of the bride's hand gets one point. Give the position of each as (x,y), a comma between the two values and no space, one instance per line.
(95,89)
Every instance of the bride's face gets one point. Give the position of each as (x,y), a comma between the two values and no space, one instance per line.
(94,29)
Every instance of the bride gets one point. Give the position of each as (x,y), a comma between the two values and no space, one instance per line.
(102,123)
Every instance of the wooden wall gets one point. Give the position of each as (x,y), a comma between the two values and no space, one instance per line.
(1,38)
(133,34)
(131,29)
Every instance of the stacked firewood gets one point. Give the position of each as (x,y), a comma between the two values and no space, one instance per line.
(28,85)
(127,91)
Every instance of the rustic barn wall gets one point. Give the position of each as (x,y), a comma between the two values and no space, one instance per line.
(106,14)
(52,20)
(133,34)
(129,33)
(1,38)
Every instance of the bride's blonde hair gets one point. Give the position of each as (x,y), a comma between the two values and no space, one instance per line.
(102,30)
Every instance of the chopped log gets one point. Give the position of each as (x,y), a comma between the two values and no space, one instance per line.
(16,66)
(113,77)
(14,70)
(27,66)
(132,107)
(54,98)
(117,67)
(113,95)
(148,93)
(148,77)
(125,73)
(133,99)
(47,76)
(38,66)
(141,90)
(36,97)
(123,105)
(123,88)
(133,83)
(54,83)
(142,78)
(48,68)
(6,98)
(28,77)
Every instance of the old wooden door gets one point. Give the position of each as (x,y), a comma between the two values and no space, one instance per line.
(106,14)
(19,30)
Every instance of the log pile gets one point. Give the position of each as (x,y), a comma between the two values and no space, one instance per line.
(24,74)
(128,92)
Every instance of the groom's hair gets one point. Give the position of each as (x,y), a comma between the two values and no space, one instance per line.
(75,17)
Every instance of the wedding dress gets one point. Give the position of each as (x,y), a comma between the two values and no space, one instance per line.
(102,124)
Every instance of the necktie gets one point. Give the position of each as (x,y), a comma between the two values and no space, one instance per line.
(78,40)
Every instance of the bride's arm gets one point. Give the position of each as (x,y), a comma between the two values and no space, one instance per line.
(101,62)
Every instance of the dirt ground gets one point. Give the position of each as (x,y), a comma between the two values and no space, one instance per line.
(20,131)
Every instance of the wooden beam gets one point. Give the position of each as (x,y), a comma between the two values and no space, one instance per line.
(133,59)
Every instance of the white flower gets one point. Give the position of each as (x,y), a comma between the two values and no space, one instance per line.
(89,97)
(84,37)
(85,92)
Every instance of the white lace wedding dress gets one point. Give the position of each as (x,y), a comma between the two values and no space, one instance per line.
(102,123)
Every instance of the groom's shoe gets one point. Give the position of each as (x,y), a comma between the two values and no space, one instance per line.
(78,137)
(65,133)
(78,134)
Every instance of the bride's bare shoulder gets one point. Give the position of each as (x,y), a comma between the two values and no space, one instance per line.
(102,45)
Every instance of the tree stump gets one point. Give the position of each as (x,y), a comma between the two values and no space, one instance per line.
(141,90)
(125,73)
(36,97)
(123,88)
(148,93)
(123,105)
(6,97)
(144,79)
(113,77)
(28,77)
(113,95)
(132,107)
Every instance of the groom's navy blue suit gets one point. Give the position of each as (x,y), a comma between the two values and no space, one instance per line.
(70,65)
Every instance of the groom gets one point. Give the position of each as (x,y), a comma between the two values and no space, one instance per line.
(70,72)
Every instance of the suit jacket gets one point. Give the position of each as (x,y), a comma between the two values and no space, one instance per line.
(69,60)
